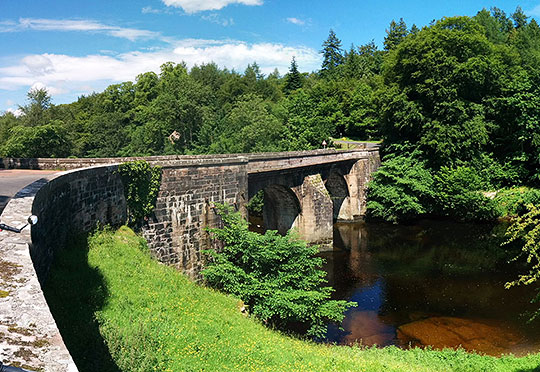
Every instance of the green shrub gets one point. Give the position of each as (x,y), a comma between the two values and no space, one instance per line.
(141,187)
(278,277)
(256,203)
(497,174)
(513,201)
(401,189)
(458,194)
(526,230)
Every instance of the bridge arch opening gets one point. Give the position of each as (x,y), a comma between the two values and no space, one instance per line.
(339,191)
(280,208)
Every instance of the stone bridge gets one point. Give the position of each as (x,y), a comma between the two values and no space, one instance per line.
(303,190)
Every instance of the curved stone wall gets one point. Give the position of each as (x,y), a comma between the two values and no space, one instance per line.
(71,203)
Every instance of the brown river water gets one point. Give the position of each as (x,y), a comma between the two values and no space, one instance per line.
(432,283)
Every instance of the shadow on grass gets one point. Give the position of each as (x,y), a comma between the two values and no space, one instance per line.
(74,292)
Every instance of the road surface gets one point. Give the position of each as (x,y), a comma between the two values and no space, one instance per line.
(12,180)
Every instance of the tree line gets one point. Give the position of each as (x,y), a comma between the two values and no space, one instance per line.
(456,105)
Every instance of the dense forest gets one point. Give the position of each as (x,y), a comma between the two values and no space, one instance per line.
(456,105)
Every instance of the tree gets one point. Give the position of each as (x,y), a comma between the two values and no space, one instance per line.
(332,53)
(278,277)
(401,189)
(520,18)
(438,84)
(395,34)
(293,80)
(7,121)
(39,101)
(249,127)
(45,141)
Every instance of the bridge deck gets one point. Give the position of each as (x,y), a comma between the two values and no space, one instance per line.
(12,180)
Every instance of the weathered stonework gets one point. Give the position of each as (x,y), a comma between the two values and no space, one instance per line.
(315,222)
(176,233)
(29,337)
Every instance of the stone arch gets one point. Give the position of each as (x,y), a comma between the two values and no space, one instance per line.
(339,192)
(281,208)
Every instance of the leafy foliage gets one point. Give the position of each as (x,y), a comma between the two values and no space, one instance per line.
(278,277)
(256,203)
(141,187)
(46,141)
(401,189)
(458,194)
(526,231)
(513,201)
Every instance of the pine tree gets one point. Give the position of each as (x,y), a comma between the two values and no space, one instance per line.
(293,80)
(519,17)
(395,34)
(332,53)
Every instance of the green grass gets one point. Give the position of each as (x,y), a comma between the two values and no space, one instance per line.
(150,317)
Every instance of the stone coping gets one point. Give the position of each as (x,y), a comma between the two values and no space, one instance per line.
(29,337)
(169,160)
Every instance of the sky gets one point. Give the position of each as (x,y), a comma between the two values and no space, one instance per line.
(73,48)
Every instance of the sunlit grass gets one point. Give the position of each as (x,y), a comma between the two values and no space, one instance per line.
(152,318)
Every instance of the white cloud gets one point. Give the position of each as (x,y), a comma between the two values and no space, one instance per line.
(17,112)
(296,21)
(75,25)
(63,74)
(38,64)
(52,90)
(194,6)
(150,10)
(215,18)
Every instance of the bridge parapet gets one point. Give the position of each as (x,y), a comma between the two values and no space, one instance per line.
(278,161)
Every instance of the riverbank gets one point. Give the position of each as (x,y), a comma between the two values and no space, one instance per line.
(120,310)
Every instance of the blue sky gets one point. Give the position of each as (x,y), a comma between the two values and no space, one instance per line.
(77,47)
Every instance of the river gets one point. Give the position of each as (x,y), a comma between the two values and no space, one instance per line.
(432,283)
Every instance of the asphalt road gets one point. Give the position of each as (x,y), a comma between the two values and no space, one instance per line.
(12,180)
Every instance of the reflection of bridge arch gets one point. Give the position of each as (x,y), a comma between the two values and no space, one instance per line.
(281,208)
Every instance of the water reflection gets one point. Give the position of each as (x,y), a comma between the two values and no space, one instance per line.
(433,283)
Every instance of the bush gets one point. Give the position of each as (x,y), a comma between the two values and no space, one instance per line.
(458,195)
(256,204)
(278,277)
(401,189)
(526,230)
(514,201)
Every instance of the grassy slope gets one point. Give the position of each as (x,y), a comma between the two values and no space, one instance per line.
(154,319)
